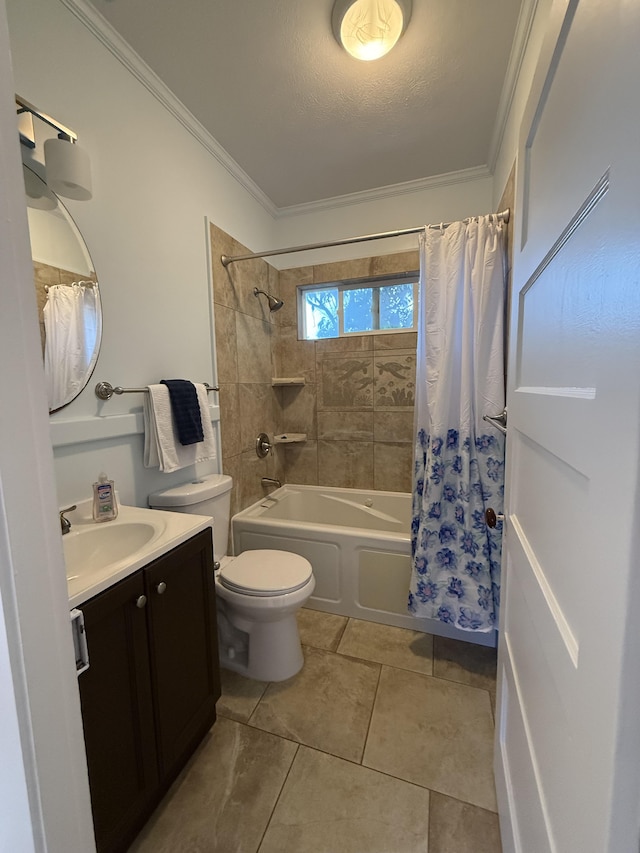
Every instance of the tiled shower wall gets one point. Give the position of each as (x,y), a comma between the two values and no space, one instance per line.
(244,333)
(356,406)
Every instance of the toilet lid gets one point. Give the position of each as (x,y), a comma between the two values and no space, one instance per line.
(265,572)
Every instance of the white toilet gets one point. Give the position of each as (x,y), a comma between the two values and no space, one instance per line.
(258,592)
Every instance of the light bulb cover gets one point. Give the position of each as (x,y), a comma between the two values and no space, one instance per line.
(68,169)
(368,29)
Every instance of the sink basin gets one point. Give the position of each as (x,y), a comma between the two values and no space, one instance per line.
(93,548)
(99,554)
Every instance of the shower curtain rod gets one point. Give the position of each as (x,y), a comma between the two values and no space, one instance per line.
(226,260)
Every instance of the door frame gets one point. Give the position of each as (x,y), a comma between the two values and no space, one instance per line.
(44,793)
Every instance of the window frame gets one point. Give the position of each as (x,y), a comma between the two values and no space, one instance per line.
(373,283)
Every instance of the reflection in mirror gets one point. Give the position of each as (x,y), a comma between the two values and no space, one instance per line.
(67,293)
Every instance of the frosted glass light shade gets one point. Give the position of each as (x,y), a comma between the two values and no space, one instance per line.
(368,29)
(68,169)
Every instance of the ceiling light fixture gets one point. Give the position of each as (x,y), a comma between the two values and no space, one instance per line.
(67,165)
(368,29)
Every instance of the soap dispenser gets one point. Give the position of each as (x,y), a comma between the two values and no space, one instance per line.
(105,506)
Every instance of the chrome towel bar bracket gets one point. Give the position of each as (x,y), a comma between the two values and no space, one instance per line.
(498,421)
(105,390)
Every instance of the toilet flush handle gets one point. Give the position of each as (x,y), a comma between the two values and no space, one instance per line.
(216,565)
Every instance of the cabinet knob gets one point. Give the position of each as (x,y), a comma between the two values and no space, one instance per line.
(161,587)
(141,601)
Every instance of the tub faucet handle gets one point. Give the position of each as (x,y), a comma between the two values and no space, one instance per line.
(263,445)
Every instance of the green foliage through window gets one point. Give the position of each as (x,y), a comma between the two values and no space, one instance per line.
(343,308)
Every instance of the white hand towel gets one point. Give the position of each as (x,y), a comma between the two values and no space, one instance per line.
(161,444)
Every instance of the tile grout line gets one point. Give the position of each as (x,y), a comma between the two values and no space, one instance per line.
(275,805)
(458,800)
(375,663)
(350,761)
(463,683)
(337,651)
(267,685)
(342,633)
(401,668)
(359,762)
(373,705)
(364,767)
(433,656)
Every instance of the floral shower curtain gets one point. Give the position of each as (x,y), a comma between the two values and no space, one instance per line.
(459,458)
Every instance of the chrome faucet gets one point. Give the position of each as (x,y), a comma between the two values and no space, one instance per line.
(65,524)
(271,481)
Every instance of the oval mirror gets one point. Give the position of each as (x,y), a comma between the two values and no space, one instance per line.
(67,293)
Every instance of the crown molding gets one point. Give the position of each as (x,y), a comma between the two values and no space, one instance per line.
(475,173)
(518,50)
(124,53)
(89,16)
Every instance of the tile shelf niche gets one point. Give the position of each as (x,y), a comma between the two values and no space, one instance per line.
(282,381)
(290,438)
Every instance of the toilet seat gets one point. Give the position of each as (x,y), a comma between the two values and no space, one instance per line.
(265,573)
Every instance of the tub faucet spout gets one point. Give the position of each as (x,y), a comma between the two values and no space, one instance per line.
(271,481)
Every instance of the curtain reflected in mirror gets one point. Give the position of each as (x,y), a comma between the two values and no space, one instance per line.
(67,292)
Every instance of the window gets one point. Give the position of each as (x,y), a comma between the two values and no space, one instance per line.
(358,307)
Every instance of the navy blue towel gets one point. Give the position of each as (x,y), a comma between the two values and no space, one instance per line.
(185,409)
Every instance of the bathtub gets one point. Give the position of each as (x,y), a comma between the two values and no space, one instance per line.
(358,544)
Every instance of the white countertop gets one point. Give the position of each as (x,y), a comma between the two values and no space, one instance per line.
(94,550)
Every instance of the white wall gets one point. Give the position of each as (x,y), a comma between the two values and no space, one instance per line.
(353,217)
(153,186)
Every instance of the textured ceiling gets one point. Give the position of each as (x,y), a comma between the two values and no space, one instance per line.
(303,119)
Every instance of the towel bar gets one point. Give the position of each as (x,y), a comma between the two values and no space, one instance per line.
(498,421)
(105,390)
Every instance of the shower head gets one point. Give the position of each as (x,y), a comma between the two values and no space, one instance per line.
(274,303)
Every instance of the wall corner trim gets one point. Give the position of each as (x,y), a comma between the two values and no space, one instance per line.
(475,173)
(125,54)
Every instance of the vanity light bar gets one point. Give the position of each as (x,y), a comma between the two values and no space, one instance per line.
(27,135)
(105,390)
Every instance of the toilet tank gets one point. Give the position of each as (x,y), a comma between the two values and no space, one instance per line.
(209,495)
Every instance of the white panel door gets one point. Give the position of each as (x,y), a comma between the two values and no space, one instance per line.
(568,730)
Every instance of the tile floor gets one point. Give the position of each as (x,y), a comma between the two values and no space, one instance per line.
(381,744)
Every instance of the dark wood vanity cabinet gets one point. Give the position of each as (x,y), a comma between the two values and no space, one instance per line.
(149,694)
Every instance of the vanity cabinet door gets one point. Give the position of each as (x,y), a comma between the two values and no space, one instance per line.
(117,712)
(183,648)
